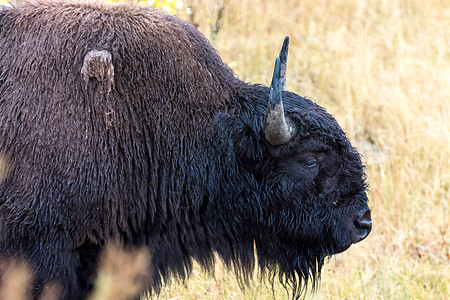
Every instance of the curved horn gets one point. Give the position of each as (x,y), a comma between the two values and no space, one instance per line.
(283,61)
(277,128)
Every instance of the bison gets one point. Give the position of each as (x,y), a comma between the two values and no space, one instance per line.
(121,123)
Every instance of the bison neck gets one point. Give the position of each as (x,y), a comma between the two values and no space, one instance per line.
(199,189)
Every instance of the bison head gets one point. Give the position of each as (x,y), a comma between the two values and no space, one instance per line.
(302,195)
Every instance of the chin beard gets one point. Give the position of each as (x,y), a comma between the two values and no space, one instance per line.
(296,271)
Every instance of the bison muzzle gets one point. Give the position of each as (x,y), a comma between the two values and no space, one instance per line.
(121,123)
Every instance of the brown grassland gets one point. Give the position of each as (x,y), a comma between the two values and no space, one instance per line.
(382,69)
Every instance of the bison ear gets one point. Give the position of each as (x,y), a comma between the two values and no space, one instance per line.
(239,136)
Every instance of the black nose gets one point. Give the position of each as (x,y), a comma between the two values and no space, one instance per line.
(363,224)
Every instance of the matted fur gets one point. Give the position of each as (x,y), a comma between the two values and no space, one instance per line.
(167,152)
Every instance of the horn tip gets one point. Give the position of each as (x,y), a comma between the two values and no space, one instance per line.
(277,62)
(276,72)
(286,40)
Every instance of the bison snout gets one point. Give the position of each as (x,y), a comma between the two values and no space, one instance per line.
(363,225)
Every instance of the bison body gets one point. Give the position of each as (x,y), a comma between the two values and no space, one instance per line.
(121,123)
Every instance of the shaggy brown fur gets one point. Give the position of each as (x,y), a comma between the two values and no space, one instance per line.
(122,123)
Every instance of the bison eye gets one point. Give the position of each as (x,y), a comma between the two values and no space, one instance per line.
(310,162)
(301,167)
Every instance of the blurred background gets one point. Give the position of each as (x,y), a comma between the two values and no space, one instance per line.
(382,69)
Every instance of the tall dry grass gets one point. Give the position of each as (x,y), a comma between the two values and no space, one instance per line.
(382,68)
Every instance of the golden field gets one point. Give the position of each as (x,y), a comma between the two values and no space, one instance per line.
(382,69)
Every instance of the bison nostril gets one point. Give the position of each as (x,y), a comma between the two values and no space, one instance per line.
(363,224)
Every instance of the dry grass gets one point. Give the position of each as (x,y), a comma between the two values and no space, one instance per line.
(122,274)
(382,68)
(15,276)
